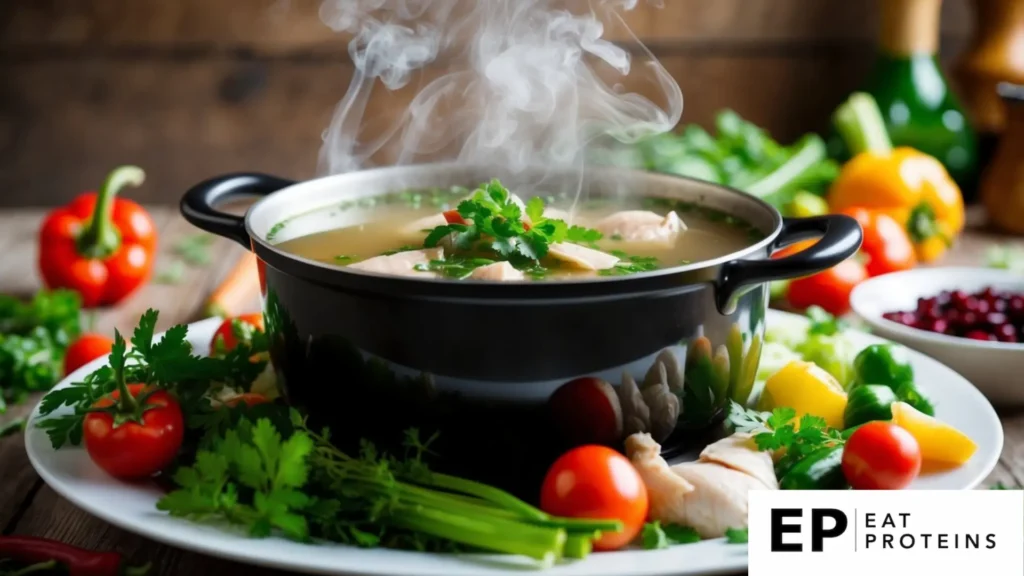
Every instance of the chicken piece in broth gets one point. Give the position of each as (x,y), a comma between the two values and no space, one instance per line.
(499,271)
(642,226)
(708,495)
(582,257)
(402,263)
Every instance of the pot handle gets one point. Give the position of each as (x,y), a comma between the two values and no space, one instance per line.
(199,204)
(840,238)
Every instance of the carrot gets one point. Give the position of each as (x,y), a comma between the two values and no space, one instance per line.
(237,290)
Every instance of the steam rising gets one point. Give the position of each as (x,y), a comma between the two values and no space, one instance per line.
(504,83)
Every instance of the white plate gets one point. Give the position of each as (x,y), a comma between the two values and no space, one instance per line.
(994,367)
(72,475)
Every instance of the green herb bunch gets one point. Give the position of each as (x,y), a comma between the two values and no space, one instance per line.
(33,339)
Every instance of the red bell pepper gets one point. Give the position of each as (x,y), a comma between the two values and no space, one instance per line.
(101,246)
(887,246)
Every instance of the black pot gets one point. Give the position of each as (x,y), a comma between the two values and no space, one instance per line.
(479,362)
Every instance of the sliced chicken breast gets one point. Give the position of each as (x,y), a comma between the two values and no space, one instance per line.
(581,256)
(666,490)
(642,226)
(402,263)
(707,495)
(719,500)
(500,271)
(740,453)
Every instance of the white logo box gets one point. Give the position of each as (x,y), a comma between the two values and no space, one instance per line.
(933,533)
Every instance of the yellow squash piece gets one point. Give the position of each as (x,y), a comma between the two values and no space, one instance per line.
(940,443)
(808,389)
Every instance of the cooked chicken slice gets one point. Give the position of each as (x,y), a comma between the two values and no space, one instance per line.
(581,256)
(740,453)
(402,263)
(500,271)
(666,490)
(709,496)
(642,226)
(413,232)
(719,501)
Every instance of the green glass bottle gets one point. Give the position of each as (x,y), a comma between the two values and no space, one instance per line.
(920,109)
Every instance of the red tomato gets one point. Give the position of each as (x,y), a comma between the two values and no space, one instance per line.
(225,331)
(886,244)
(881,456)
(249,399)
(87,348)
(829,289)
(134,450)
(586,411)
(597,482)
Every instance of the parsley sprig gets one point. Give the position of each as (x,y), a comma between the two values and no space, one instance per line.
(168,364)
(297,483)
(493,216)
(781,430)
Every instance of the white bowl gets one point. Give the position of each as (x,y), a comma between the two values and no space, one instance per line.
(996,368)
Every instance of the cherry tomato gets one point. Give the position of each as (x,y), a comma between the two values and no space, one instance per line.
(87,348)
(132,450)
(829,289)
(597,482)
(453,217)
(228,334)
(881,456)
(249,399)
(886,244)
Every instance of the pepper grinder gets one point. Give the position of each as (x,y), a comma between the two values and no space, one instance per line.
(1002,187)
(994,56)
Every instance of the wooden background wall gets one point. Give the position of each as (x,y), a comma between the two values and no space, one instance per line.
(192,88)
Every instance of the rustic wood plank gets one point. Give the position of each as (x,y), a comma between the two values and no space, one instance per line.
(282,26)
(1013,448)
(185,121)
(51,516)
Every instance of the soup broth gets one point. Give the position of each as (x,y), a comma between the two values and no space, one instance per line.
(403,234)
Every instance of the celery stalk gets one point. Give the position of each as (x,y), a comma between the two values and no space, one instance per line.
(859,122)
(811,151)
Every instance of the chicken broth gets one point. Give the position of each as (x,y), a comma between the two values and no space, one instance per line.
(491,234)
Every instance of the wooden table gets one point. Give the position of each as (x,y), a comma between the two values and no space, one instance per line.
(28,506)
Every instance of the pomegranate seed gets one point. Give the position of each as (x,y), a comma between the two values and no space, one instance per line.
(1007,333)
(987,315)
(979,335)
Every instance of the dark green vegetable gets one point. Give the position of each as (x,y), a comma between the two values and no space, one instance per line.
(909,392)
(868,403)
(886,364)
(741,155)
(33,339)
(822,470)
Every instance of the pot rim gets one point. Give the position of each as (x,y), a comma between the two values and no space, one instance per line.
(670,277)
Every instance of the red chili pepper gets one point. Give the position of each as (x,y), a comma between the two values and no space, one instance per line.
(453,217)
(98,245)
(78,561)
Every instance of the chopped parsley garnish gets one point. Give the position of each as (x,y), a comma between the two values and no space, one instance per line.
(736,535)
(655,536)
(494,218)
(343,258)
(454,267)
(616,236)
(630,264)
(195,249)
(405,248)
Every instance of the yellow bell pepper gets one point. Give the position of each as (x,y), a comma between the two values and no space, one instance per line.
(940,443)
(808,389)
(911,186)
